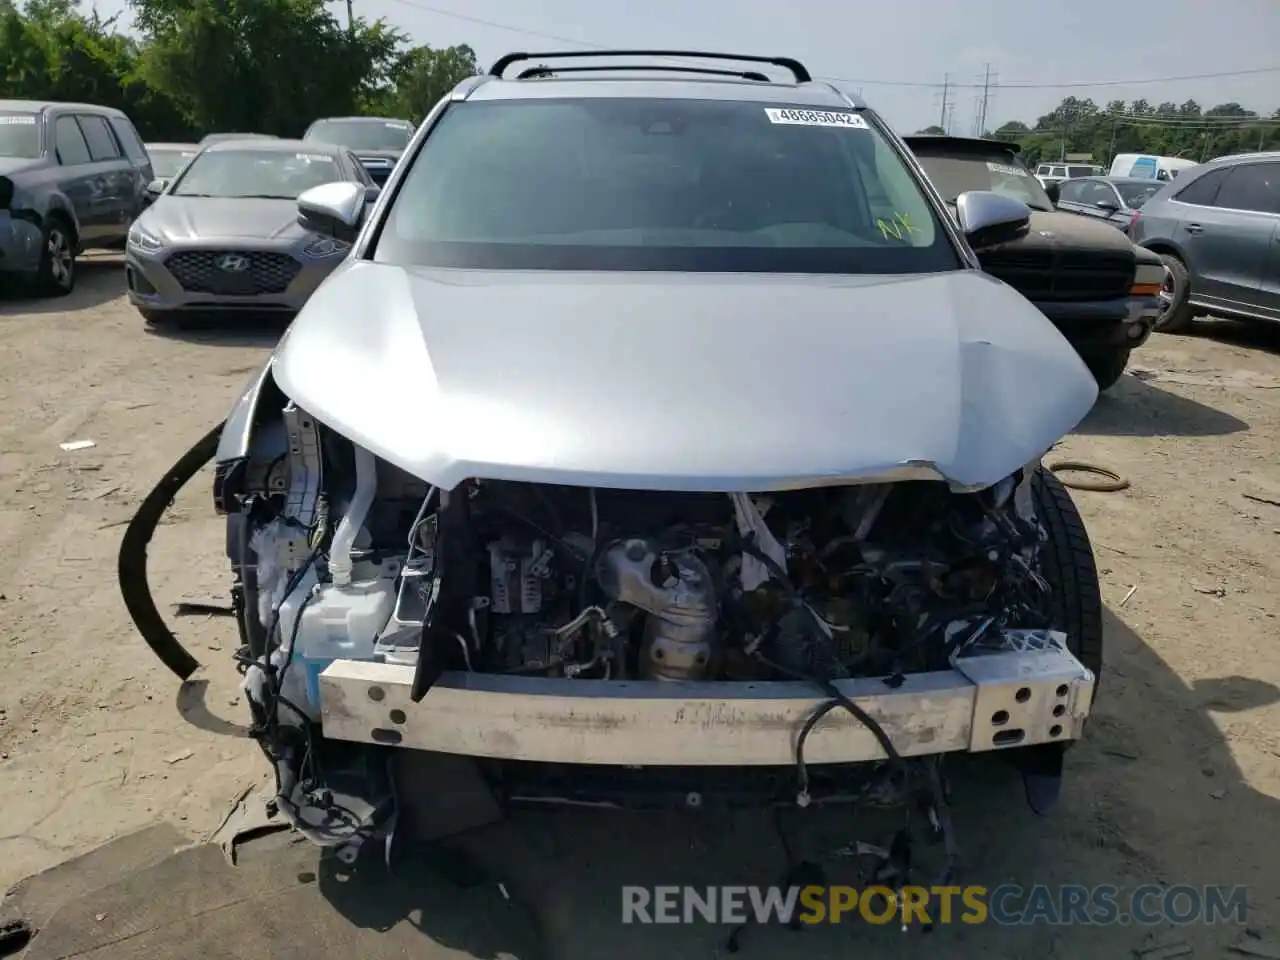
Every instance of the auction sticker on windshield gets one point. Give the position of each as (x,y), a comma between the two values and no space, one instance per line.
(815,118)
(313,157)
(1006,169)
(21,119)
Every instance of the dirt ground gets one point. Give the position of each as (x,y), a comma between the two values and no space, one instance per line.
(1177,782)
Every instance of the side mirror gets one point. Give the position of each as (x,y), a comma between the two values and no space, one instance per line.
(333,210)
(156,187)
(1110,206)
(1053,191)
(990,219)
(371,193)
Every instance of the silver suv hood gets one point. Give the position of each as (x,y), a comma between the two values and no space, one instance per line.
(699,382)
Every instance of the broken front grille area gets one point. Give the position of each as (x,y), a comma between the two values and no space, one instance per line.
(204,271)
(1062,276)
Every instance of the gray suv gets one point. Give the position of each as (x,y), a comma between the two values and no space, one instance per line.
(1217,227)
(72,176)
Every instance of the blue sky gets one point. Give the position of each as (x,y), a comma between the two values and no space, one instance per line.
(885,48)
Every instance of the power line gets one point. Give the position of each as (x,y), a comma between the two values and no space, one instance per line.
(1012,85)
(1080,84)
(1221,123)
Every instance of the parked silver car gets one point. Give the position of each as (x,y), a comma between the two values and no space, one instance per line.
(1217,228)
(224,234)
(653,422)
(72,177)
(1113,200)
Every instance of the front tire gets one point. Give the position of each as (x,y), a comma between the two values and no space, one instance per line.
(56,275)
(1067,563)
(1107,368)
(1176,294)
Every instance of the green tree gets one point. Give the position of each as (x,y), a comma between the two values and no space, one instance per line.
(268,66)
(424,75)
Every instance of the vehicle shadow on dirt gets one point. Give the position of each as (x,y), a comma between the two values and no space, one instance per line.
(1137,408)
(1259,335)
(100,279)
(1147,800)
(244,329)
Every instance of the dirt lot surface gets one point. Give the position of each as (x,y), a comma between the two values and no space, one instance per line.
(1178,781)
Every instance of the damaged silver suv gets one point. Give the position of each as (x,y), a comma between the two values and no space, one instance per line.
(660,424)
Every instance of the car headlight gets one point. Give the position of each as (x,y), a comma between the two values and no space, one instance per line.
(141,240)
(326,247)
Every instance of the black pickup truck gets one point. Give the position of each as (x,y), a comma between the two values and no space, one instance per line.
(1099,289)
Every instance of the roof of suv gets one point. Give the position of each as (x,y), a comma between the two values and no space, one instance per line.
(975,144)
(364,119)
(39,106)
(632,79)
(1241,157)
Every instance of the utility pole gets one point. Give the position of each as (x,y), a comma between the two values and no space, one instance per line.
(946,87)
(350,20)
(986,94)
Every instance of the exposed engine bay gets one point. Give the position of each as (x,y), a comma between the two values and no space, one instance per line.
(539,580)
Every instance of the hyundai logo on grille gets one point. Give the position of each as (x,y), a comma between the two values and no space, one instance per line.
(232,263)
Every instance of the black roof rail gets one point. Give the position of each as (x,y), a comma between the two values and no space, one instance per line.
(797,69)
(532,72)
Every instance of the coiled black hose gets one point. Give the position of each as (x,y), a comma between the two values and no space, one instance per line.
(131,565)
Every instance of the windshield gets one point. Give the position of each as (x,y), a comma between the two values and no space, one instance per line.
(1000,173)
(166,163)
(651,184)
(1135,195)
(267,174)
(19,136)
(363,134)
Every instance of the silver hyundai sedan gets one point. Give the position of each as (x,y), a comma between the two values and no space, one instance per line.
(224,233)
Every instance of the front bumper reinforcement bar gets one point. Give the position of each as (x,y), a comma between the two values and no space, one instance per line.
(987,701)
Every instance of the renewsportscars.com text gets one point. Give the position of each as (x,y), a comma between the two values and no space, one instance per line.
(1010,904)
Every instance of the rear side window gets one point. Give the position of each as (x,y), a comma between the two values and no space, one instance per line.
(657,184)
(1204,190)
(1251,186)
(1074,172)
(70,143)
(1072,192)
(129,139)
(19,135)
(102,145)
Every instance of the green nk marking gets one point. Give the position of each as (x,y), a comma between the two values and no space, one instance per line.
(899,228)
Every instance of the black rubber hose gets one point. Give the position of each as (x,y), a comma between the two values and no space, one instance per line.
(131,566)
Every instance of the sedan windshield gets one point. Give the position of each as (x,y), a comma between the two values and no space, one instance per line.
(363,134)
(1135,195)
(656,184)
(19,136)
(265,174)
(166,163)
(1000,173)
